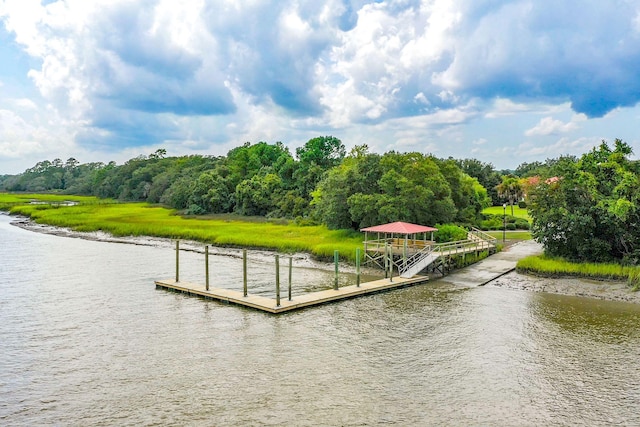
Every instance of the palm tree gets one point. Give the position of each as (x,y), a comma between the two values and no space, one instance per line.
(511,189)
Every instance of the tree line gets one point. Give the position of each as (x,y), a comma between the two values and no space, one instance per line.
(583,208)
(321,183)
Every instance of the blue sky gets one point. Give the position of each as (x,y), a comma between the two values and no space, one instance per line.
(505,82)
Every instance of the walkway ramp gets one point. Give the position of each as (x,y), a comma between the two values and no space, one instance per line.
(420,264)
(493,267)
(476,241)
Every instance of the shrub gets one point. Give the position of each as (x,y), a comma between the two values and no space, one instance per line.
(522,204)
(449,233)
(492,223)
(305,222)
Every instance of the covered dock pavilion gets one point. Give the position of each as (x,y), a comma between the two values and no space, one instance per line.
(394,242)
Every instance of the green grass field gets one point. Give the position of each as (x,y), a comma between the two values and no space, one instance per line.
(518,212)
(511,235)
(141,219)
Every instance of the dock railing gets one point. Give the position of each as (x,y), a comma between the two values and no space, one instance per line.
(397,245)
(475,233)
(477,240)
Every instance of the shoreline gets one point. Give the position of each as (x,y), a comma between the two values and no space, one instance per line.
(610,291)
(570,286)
(300,259)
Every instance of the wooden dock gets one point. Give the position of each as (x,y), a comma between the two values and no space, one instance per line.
(297,302)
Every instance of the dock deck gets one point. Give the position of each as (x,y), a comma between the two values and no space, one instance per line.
(297,302)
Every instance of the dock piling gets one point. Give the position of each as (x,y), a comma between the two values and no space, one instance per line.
(244,272)
(290,271)
(177,261)
(404,254)
(335,261)
(390,265)
(358,267)
(277,280)
(386,260)
(206,266)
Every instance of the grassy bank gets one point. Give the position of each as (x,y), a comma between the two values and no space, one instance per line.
(510,235)
(141,219)
(542,265)
(518,212)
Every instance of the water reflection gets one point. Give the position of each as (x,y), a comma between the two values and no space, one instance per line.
(607,321)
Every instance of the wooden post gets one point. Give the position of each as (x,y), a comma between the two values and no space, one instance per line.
(391,267)
(206,265)
(290,270)
(335,261)
(277,280)
(244,272)
(177,261)
(366,237)
(386,260)
(404,253)
(357,267)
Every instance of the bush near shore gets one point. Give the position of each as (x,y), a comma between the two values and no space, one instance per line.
(542,265)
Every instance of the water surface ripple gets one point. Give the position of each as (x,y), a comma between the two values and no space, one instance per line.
(86,339)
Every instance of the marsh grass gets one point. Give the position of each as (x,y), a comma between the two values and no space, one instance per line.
(141,219)
(543,265)
(8,200)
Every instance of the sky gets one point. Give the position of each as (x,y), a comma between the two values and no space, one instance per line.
(505,82)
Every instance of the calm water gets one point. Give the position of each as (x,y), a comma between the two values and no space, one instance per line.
(86,339)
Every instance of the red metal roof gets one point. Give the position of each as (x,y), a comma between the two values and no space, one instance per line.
(400,228)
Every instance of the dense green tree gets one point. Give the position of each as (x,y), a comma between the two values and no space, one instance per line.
(248,160)
(525,170)
(177,195)
(324,151)
(485,173)
(356,176)
(588,211)
(467,194)
(367,189)
(316,157)
(258,195)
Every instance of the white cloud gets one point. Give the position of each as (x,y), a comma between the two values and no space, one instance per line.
(563,146)
(215,73)
(22,138)
(506,107)
(24,104)
(550,126)
(636,22)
